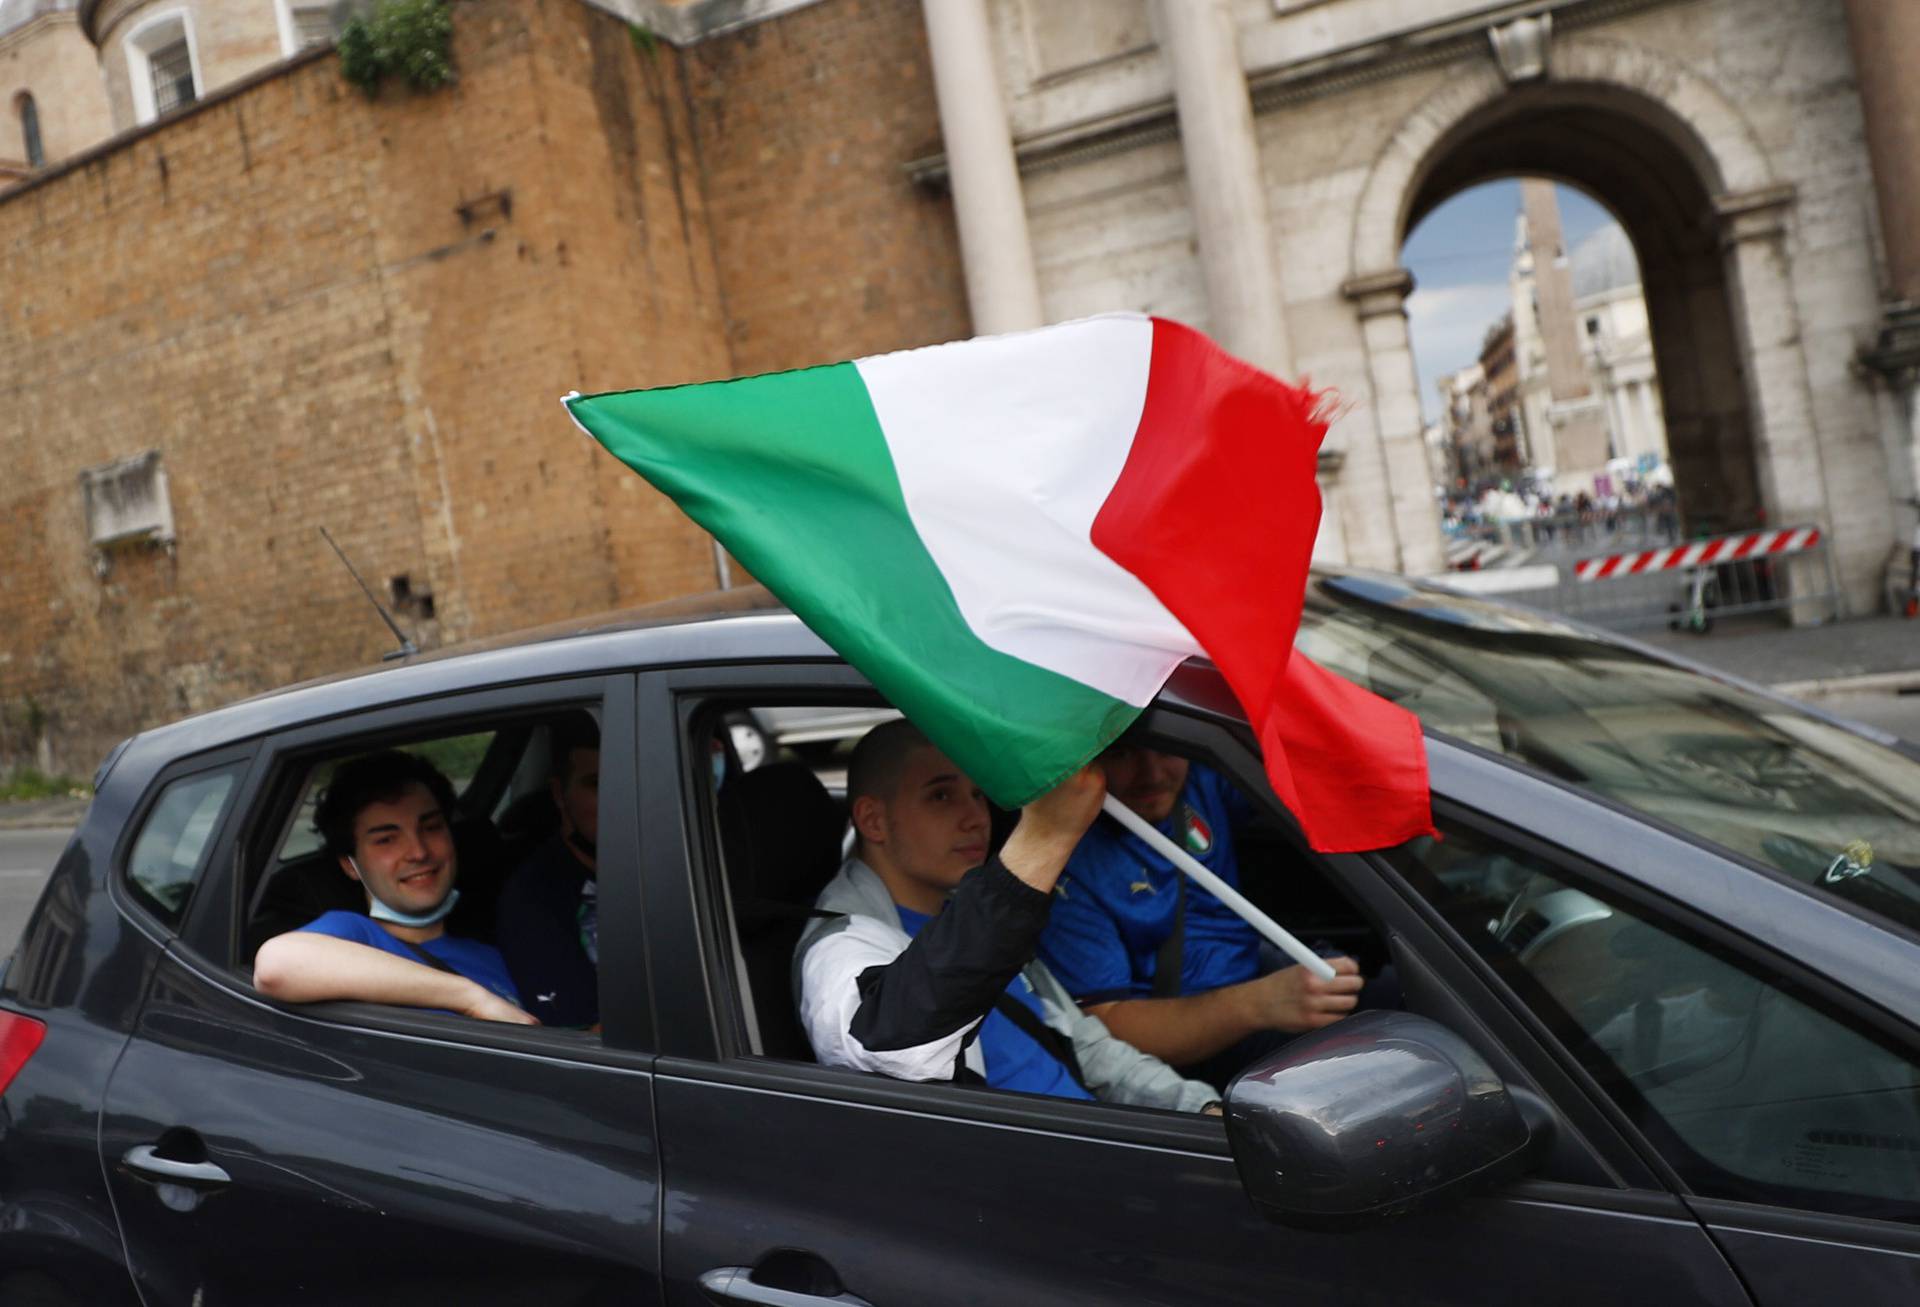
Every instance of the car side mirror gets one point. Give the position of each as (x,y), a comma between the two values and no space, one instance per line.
(1374,1117)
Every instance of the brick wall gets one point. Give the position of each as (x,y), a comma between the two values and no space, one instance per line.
(825,250)
(328,311)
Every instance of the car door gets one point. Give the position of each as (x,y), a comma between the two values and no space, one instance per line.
(784,1177)
(1759,1043)
(347,1153)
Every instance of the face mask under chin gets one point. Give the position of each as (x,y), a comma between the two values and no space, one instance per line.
(381,911)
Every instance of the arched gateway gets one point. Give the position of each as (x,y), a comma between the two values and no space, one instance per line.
(1159,142)
(1708,218)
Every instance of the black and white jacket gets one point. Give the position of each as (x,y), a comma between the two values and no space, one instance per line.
(874,999)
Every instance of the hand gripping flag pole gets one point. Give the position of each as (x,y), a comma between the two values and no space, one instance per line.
(1227,894)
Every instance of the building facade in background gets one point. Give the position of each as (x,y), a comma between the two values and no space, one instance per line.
(241,300)
(1254,166)
(52,102)
(1610,310)
(1588,381)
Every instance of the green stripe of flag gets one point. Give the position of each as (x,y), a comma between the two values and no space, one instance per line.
(791,472)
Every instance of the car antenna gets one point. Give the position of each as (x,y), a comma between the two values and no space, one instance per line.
(407,647)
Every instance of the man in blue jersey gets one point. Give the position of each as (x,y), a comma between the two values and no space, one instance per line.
(386,817)
(921,963)
(1166,965)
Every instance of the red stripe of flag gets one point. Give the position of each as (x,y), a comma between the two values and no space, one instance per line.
(1215,512)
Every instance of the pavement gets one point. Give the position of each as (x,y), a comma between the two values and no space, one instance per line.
(1865,655)
(42,814)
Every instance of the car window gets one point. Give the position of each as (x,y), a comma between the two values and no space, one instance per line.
(782,831)
(170,851)
(1834,810)
(519,907)
(1751,1090)
(457,756)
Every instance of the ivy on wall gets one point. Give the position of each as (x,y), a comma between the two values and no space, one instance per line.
(402,38)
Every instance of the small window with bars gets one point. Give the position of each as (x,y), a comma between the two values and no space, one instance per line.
(171,67)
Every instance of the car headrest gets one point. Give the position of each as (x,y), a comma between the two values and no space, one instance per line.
(781,832)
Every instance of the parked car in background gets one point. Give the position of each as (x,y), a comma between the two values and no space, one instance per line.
(1660,1039)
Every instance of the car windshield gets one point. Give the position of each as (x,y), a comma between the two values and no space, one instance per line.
(1827,807)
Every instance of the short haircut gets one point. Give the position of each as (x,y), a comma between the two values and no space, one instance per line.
(374,778)
(874,770)
(573,729)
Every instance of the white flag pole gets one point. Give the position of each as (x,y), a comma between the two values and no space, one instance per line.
(1227,894)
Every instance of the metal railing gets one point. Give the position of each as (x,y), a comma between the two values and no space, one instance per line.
(1690,585)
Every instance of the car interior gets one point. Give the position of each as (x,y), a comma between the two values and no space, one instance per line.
(780,825)
(783,831)
(505,809)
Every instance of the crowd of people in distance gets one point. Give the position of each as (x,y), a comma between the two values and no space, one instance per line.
(1075,961)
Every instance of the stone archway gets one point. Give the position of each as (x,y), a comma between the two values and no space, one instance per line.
(1675,161)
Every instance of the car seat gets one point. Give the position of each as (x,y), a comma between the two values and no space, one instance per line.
(780,835)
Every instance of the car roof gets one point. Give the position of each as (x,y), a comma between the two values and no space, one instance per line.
(741,624)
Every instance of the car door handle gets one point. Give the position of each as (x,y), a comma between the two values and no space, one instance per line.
(730,1284)
(145,1159)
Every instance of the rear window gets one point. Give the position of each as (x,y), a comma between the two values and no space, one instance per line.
(1769,782)
(171,850)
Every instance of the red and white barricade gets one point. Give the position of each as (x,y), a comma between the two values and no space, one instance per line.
(1742,546)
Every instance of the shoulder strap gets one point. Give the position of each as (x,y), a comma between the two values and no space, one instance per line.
(437,964)
(1170,963)
(1056,1045)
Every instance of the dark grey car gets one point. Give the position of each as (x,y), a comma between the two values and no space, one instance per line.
(1662,1007)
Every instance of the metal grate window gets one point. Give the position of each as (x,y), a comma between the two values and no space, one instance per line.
(172,69)
(312,25)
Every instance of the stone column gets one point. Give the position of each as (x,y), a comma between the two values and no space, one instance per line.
(1224,180)
(1793,480)
(1885,34)
(1003,293)
(1392,521)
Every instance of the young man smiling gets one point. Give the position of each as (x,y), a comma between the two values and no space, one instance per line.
(386,818)
(921,966)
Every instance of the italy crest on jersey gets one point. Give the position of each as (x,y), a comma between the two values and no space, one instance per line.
(1198,835)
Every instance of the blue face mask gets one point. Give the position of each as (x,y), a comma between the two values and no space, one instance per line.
(379,911)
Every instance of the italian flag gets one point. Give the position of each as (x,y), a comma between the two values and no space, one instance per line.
(1018,538)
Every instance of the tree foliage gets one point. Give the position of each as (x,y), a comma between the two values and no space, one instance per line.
(406,38)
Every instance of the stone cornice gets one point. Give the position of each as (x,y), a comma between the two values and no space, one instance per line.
(18,35)
(1338,71)
(1754,215)
(1375,294)
(686,24)
(1895,352)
